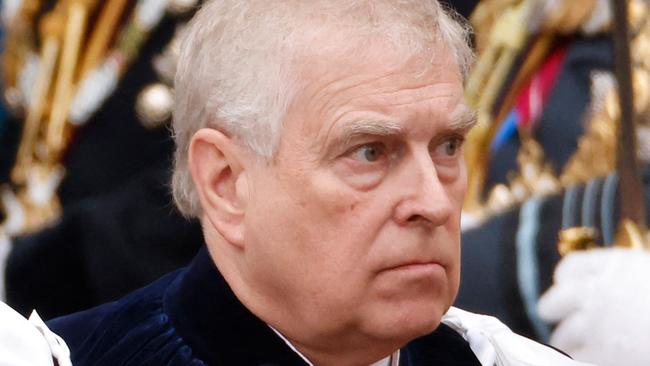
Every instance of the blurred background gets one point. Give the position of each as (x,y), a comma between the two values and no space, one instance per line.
(558,161)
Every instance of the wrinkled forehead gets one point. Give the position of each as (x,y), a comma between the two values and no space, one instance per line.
(333,43)
(334,57)
(364,31)
(371,72)
(328,57)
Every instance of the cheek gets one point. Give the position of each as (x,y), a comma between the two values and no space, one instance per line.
(456,189)
(310,221)
(461,181)
(315,224)
(337,205)
(358,176)
(463,177)
(456,192)
(453,272)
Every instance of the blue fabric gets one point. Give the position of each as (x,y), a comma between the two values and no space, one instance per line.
(560,124)
(506,131)
(99,336)
(191,317)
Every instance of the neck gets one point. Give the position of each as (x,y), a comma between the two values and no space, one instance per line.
(345,348)
(342,355)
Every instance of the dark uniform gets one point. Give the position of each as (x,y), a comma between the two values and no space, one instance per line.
(508,262)
(191,317)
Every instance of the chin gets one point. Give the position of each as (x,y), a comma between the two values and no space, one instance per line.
(423,321)
(409,321)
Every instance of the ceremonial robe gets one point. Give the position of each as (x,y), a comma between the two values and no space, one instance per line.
(192,317)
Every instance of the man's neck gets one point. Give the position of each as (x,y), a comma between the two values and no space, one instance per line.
(391,360)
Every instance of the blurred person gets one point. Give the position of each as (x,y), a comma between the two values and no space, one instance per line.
(600,301)
(116,230)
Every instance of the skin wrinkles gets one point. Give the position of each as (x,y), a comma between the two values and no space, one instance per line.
(321,96)
(325,103)
(329,97)
(462,118)
(370,128)
(380,101)
(388,215)
(322,232)
(385,95)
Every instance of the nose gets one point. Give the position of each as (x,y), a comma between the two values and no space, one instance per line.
(425,199)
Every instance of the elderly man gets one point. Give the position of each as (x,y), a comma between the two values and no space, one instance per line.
(320,144)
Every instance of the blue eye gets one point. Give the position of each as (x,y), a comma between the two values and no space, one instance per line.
(452,146)
(449,148)
(369,152)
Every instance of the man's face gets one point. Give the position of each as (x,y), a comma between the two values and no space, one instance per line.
(353,229)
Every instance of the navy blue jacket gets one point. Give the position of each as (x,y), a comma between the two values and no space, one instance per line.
(191,317)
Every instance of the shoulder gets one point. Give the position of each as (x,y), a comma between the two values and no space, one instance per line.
(133,330)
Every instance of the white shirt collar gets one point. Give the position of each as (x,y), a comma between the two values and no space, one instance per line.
(392,360)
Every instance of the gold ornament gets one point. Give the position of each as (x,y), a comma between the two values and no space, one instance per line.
(630,235)
(576,238)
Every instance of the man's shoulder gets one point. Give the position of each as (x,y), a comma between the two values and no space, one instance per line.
(442,347)
(131,328)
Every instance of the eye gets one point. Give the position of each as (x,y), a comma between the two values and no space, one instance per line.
(448,148)
(369,152)
(452,146)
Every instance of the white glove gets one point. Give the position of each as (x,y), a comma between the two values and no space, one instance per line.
(601,302)
(494,344)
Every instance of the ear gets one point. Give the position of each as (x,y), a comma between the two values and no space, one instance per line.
(217,165)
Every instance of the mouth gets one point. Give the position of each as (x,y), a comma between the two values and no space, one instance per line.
(416,267)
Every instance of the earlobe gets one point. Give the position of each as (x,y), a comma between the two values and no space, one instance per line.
(216,165)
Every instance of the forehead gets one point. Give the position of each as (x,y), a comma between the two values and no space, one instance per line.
(376,79)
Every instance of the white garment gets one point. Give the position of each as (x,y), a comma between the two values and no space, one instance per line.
(494,344)
(392,360)
(601,301)
(29,342)
(5,249)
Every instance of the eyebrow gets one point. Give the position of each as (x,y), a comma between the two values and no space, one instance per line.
(463,118)
(370,127)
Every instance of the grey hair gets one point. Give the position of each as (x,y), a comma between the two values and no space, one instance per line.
(236,71)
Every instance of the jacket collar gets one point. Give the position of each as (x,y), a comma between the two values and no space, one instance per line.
(222,331)
(217,327)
